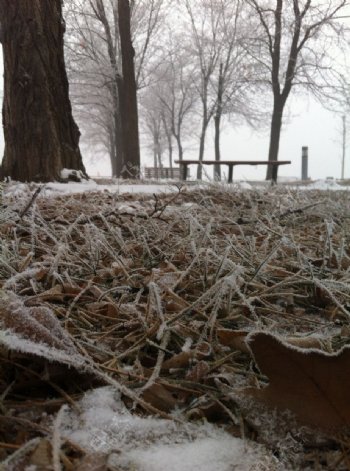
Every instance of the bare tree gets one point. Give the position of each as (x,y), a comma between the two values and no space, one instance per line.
(172,98)
(232,82)
(95,65)
(155,126)
(206,50)
(147,28)
(176,93)
(217,42)
(41,137)
(94,71)
(295,46)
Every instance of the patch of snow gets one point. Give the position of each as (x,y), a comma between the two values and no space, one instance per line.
(72,175)
(104,425)
(56,188)
(327,184)
(220,453)
(139,188)
(243,185)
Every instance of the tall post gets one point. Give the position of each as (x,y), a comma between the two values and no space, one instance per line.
(304,162)
(344,148)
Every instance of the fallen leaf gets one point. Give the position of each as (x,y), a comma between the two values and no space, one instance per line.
(38,324)
(181,360)
(53,294)
(41,456)
(158,396)
(199,371)
(312,384)
(35,331)
(93,462)
(236,339)
(306,342)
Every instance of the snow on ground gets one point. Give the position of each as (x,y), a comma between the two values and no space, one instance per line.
(119,187)
(104,425)
(55,188)
(90,185)
(327,184)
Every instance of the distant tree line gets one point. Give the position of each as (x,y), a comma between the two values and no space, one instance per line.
(173,69)
(200,64)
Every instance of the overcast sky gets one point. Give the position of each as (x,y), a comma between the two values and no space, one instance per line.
(311,125)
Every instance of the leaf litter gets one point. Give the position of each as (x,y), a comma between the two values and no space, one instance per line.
(151,299)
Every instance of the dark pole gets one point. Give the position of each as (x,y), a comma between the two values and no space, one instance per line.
(304,162)
(344,148)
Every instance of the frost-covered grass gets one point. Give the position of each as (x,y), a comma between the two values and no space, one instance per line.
(142,284)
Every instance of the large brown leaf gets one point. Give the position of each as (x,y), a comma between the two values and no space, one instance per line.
(312,384)
(35,331)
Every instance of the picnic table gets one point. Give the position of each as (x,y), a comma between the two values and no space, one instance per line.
(231,164)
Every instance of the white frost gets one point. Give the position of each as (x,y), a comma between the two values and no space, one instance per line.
(104,425)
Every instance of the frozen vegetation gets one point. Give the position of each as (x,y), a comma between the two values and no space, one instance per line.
(151,327)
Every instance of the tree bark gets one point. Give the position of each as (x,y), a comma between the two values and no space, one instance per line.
(179,147)
(217,169)
(129,112)
(217,123)
(41,136)
(275,135)
(112,149)
(201,149)
(170,144)
(115,89)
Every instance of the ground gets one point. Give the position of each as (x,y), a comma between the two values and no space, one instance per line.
(126,319)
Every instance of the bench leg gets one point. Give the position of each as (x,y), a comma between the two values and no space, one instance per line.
(230,173)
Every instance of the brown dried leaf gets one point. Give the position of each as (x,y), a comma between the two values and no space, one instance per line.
(158,396)
(103,308)
(95,462)
(41,457)
(198,372)
(236,339)
(53,294)
(312,384)
(181,360)
(306,342)
(37,324)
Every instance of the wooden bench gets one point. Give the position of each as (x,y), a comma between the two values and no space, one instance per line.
(230,163)
(164,172)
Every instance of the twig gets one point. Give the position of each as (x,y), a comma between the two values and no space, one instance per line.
(31,202)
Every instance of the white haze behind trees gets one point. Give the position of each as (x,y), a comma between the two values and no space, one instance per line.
(305,123)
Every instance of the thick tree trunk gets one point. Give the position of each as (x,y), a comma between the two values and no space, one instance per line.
(41,137)
(129,113)
(275,135)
